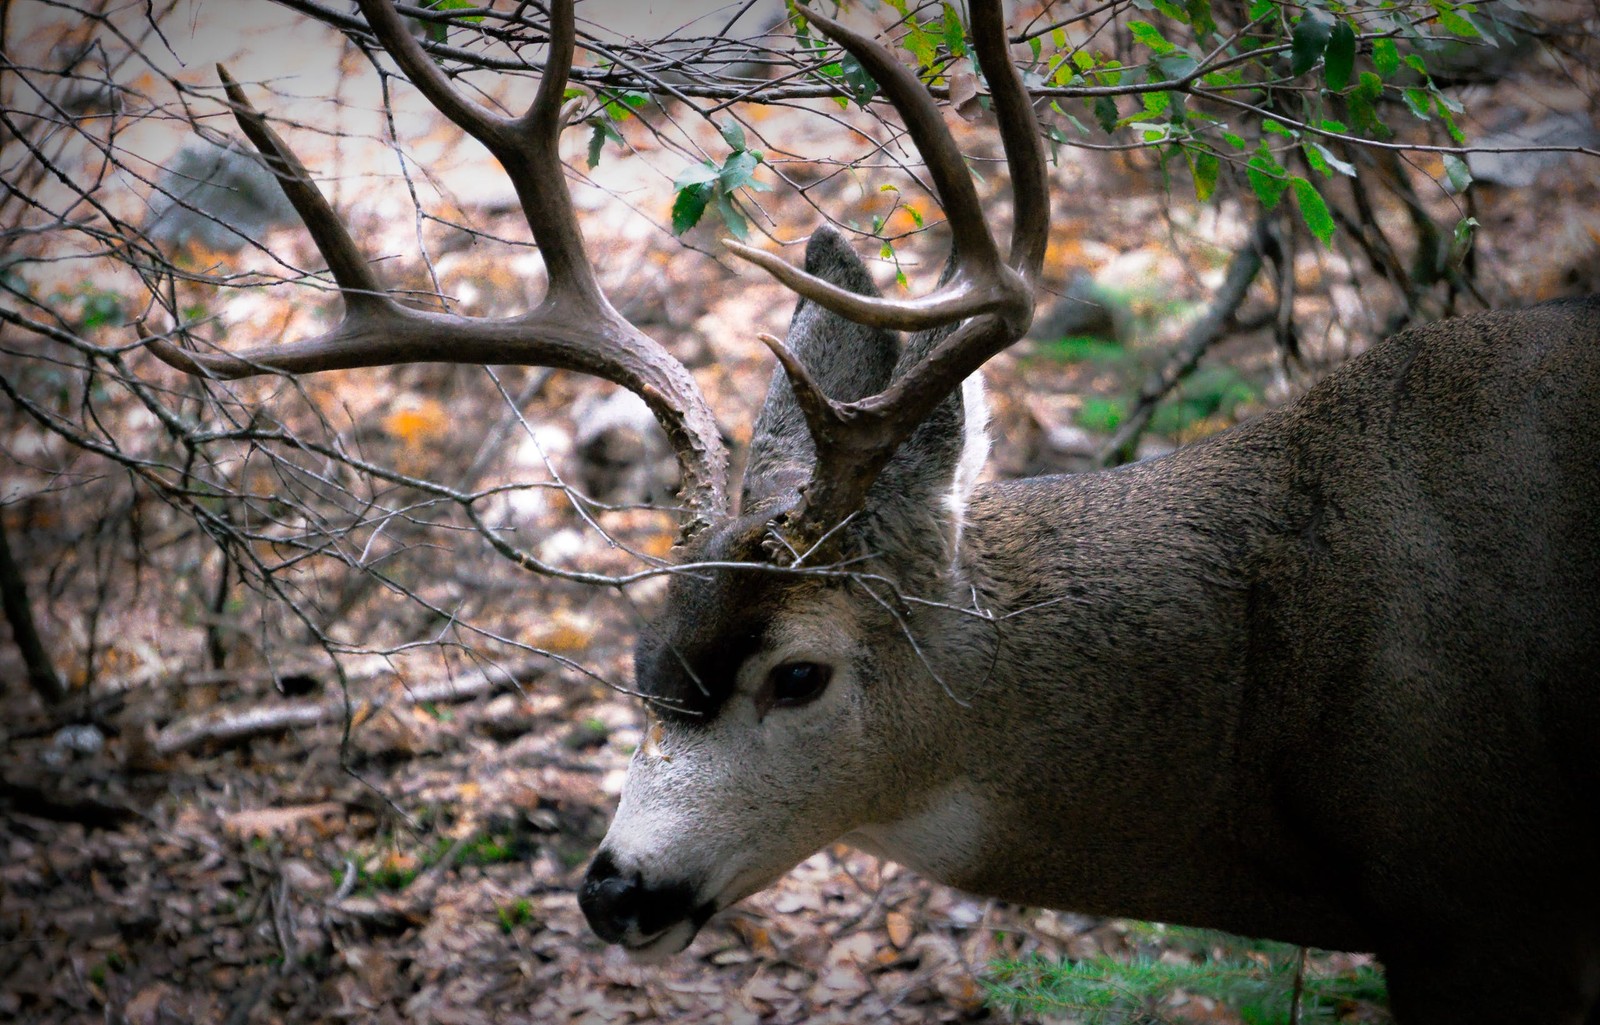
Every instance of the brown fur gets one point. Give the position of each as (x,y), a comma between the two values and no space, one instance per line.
(1331,677)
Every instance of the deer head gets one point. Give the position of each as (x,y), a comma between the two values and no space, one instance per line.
(786,660)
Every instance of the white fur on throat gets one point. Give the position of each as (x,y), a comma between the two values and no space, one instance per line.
(974,454)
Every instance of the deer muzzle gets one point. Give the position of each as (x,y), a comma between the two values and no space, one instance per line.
(651,922)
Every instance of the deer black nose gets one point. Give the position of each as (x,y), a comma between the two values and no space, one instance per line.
(622,909)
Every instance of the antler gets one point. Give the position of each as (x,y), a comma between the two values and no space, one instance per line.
(574,328)
(854,440)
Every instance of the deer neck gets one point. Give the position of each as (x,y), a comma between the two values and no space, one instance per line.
(1088,751)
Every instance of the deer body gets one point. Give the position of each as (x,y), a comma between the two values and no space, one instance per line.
(1332,672)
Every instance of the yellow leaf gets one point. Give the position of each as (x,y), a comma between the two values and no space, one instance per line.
(899,928)
(562,633)
(418,423)
(659,545)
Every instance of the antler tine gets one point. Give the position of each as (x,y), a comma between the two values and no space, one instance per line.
(363,294)
(854,441)
(574,328)
(981,283)
(527,146)
(350,269)
(1019,135)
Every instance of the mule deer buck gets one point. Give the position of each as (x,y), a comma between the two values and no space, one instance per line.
(1330,677)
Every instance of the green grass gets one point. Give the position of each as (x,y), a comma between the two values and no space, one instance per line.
(1211,391)
(1102,414)
(1087,349)
(1255,979)
(490,847)
(518,912)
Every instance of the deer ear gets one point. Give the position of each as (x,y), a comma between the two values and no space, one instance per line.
(848,360)
(915,510)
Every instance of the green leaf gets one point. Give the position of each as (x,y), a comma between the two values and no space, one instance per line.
(689,206)
(737,170)
(1205,166)
(1308,40)
(955,37)
(1150,36)
(732,134)
(1102,414)
(620,107)
(1385,56)
(916,40)
(695,174)
(1457,171)
(1105,112)
(1344,167)
(1461,239)
(1261,8)
(1418,102)
(1444,108)
(1314,157)
(862,86)
(439,31)
(1174,66)
(603,130)
(1233,139)
(731,216)
(1339,60)
(1363,100)
(1267,178)
(1313,210)
(1454,23)
(1272,127)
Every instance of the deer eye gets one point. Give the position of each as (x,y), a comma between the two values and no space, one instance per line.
(796,683)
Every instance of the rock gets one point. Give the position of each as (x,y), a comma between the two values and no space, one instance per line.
(1520,170)
(623,456)
(76,739)
(220,196)
(1086,308)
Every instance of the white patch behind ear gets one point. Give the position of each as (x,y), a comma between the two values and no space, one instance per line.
(974,454)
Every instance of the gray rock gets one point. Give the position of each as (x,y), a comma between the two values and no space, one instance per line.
(624,457)
(1520,170)
(221,196)
(1085,309)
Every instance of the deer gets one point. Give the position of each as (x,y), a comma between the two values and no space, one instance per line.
(1331,676)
